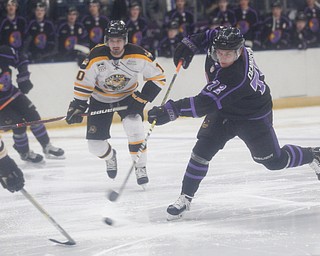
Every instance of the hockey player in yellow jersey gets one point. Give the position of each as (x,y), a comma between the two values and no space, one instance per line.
(108,78)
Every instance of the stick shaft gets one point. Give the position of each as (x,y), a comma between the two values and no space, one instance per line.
(92,113)
(46,214)
(10,100)
(143,145)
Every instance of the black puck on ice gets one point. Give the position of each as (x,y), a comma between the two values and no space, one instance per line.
(108,221)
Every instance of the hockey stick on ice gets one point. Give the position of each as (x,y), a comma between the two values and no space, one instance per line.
(113,195)
(92,113)
(47,215)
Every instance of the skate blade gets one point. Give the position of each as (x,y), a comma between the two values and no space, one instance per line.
(174,217)
(144,186)
(55,157)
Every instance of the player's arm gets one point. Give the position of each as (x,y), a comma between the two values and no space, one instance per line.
(11,177)
(82,90)
(12,58)
(196,106)
(154,78)
(191,45)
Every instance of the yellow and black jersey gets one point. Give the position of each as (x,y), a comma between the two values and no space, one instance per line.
(109,79)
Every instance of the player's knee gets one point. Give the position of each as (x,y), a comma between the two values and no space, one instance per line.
(273,164)
(133,127)
(98,147)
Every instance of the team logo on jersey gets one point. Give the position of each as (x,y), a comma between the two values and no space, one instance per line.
(101,67)
(116,82)
(92,129)
(216,87)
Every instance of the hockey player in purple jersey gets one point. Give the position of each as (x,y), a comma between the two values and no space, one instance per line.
(236,102)
(15,107)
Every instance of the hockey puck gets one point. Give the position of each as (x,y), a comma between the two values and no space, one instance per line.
(108,221)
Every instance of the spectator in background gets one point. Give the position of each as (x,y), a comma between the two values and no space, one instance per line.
(184,18)
(247,20)
(40,43)
(155,10)
(94,23)
(168,44)
(71,33)
(12,27)
(312,12)
(302,37)
(276,29)
(136,24)
(224,13)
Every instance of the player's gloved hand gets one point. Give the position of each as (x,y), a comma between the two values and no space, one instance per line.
(136,103)
(185,51)
(163,114)
(24,83)
(76,109)
(11,177)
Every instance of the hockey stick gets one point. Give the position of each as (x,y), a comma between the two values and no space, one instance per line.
(113,195)
(10,100)
(92,113)
(47,215)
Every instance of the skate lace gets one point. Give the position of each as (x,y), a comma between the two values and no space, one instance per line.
(31,155)
(182,202)
(141,172)
(51,148)
(112,162)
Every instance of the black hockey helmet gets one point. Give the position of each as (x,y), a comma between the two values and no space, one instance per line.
(227,38)
(116,28)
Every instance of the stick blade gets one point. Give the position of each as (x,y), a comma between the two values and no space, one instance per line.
(113,196)
(69,242)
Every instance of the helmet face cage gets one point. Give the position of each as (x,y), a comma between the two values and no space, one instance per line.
(227,38)
(116,29)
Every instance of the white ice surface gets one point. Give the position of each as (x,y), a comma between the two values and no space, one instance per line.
(240,209)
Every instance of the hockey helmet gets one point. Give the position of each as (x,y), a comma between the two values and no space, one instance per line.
(227,38)
(116,28)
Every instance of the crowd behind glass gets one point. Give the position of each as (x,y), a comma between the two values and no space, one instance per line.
(65,30)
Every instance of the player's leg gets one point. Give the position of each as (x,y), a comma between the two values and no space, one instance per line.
(21,143)
(212,136)
(28,112)
(134,129)
(263,144)
(98,133)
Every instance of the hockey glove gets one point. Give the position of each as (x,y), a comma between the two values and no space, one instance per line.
(11,177)
(24,83)
(136,103)
(163,114)
(184,51)
(76,109)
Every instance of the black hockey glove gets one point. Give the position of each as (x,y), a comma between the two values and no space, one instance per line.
(76,109)
(11,177)
(136,103)
(184,51)
(24,83)
(163,114)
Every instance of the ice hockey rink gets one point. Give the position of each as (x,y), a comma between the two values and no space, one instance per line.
(240,209)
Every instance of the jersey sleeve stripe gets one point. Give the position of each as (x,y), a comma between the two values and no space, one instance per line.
(94,60)
(83,86)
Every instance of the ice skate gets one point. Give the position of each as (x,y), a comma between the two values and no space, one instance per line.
(176,211)
(52,152)
(315,164)
(142,177)
(31,157)
(112,168)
